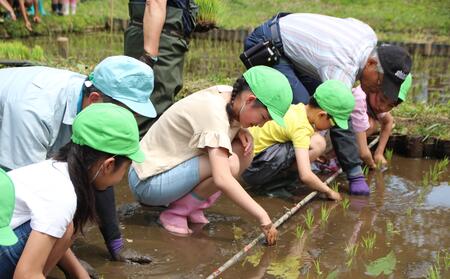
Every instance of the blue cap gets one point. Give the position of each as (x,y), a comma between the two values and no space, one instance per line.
(126,80)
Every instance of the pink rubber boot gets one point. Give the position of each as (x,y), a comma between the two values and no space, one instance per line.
(197,216)
(174,219)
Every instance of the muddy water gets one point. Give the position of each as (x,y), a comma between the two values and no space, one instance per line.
(413,230)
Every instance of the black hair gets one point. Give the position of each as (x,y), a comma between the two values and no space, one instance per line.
(313,103)
(88,90)
(239,86)
(80,159)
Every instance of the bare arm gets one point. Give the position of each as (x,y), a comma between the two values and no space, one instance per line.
(309,178)
(24,13)
(8,7)
(34,256)
(36,17)
(154,17)
(225,181)
(387,124)
(72,266)
(364,151)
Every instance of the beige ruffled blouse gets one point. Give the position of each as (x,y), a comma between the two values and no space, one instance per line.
(185,129)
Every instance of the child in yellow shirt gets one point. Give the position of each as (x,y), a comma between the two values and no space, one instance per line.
(276,147)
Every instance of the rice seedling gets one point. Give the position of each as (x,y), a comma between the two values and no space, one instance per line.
(207,11)
(17,50)
(390,229)
(345,203)
(368,242)
(324,213)
(351,250)
(446,260)
(317,267)
(433,272)
(299,231)
(334,186)
(365,170)
(309,218)
(388,154)
(409,211)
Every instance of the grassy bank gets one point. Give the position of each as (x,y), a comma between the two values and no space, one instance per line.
(210,62)
(400,20)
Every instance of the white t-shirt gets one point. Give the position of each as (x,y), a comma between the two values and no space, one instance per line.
(44,195)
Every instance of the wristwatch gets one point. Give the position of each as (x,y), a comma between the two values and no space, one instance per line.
(148,59)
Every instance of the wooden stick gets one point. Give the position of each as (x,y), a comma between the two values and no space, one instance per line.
(280,221)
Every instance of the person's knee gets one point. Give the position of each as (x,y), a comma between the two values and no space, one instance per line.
(317,146)
(244,160)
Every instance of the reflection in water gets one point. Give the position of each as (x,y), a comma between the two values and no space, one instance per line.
(439,197)
(415,231)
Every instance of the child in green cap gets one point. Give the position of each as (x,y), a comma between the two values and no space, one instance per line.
(202,146)
(278,149)
(368,114)
(54,199)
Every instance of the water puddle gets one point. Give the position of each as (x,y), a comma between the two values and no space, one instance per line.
(393,233)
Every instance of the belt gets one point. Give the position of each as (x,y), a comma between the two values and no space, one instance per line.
(274,27)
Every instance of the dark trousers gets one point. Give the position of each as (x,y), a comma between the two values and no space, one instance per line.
(303,86)
(105,204)
(168,70)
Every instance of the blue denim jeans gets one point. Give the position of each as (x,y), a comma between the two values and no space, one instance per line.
(166,187)
(302,85)
(10,255)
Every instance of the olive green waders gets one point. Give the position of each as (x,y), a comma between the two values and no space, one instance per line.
(168,70)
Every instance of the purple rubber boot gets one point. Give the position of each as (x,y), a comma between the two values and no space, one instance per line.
(358,185)
(197,216)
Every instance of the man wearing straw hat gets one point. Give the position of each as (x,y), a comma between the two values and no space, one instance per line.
(38,106)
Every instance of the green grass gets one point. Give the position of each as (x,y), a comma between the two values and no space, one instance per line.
(18,51)
(405,20)
(400,20)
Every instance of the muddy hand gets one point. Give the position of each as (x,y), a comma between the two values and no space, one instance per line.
(131,256)
(271,233)
(333,195)
(90,270)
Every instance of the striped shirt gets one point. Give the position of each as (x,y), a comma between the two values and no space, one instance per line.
(327,47)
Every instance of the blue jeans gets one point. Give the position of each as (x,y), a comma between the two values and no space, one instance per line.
(166,187)
(10,255)
(302,85)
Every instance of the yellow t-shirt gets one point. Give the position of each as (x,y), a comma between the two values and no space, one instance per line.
(298,130)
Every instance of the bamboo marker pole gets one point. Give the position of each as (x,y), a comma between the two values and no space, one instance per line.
(280,221)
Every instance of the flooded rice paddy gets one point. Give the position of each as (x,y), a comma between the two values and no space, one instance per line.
(219,61)
(401,231)
(401,219)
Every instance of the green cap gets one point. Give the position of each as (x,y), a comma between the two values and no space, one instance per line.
(404,88)
(334,97)
(7,202)
(109,128)
(272,88)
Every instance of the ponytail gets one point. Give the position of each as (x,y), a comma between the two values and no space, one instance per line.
(80,160)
